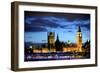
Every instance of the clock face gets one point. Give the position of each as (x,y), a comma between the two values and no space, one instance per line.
(80,35)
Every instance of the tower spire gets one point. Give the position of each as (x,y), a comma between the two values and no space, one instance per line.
(79,29)
(57,37)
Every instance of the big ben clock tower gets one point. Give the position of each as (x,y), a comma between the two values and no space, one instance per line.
(79,39)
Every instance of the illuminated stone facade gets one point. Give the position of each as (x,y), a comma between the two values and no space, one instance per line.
(75,47)
(57,46)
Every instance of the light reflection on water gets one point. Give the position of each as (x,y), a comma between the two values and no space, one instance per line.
(54,57)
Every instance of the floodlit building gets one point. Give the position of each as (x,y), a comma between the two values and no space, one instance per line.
(75,47)
(58,46)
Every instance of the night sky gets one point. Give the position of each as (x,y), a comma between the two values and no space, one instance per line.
(38,24)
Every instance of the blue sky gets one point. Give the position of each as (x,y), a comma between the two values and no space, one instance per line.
(38,24)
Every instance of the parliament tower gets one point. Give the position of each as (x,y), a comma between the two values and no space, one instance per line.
(51,40)
(79,39)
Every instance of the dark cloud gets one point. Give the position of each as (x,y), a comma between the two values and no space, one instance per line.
(69,16)
(78,17)
(44,23)
(40,21)
(34,29)
(39,25)
(86,26)
(69,31)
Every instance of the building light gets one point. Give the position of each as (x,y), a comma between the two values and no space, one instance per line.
(30,47)
(69,42)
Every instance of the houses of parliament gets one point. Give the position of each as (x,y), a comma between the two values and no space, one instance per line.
(58,46)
